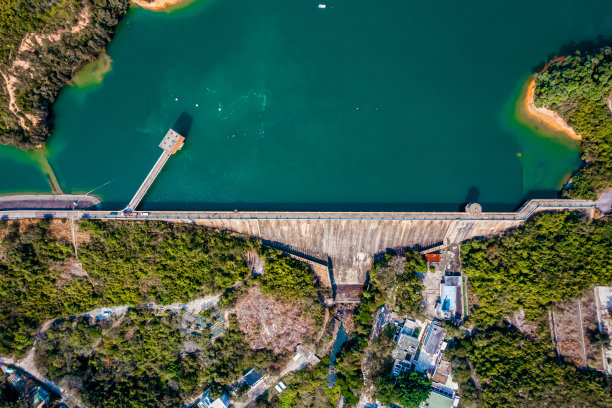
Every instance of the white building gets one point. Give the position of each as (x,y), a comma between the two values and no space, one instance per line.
(451,297)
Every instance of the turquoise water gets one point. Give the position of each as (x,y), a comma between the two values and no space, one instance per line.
(341,338)
(362,105)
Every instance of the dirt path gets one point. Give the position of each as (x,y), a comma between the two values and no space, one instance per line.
(475,378)
(325,321)
(553,331)
(580,321)
(11,85)
(28,45)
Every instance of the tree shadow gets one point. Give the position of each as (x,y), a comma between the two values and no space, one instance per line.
(570,48)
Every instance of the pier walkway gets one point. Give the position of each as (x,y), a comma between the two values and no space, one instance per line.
(171,143)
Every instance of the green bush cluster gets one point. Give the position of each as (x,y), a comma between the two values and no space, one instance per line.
(577,88)
(408,389)
(554,257)
(305,388)
(512,370)
(29,292)
(126,263)
(137,262)
(290,279)
(143,360)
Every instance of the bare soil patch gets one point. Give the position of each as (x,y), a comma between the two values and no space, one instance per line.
(61,230)
(68,269)
(589,317)
(269,323)
(570,330)
(255,264)
(526,327)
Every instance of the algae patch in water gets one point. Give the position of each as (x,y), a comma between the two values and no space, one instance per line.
(92,74)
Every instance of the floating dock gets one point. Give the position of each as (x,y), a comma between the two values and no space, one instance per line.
(171,143)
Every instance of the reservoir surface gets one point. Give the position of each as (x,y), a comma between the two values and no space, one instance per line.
(361,105)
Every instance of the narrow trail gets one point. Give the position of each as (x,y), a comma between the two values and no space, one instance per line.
(584,353)
(325,321)
(553,331)
(28,45)
(475,378)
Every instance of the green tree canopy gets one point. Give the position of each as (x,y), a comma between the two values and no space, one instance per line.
(577,88)
(554,257)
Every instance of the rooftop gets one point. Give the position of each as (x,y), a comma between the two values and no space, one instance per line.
(252,377)
(172,142)
(432,257)
(407,342)
(436,400)
(434,338)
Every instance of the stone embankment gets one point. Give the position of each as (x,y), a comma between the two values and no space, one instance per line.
(49,202)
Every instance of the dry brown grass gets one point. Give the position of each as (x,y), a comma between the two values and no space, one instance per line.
(272,324)
(569,331)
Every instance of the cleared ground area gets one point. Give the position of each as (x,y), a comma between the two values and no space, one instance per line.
(576,323)
(268,323)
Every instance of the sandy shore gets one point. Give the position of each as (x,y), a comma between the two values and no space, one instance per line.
(156,4)
(547,117)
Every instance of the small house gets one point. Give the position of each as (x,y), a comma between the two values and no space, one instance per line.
(252,377)
(206,401)
(451,299)
(433,257)
(39,397)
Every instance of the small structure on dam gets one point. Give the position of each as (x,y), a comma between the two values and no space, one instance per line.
(170,144)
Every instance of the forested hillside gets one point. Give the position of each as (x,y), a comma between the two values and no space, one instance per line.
(149,350)
(43,43)
(554,257)
(127,264)
(143,360)
(579,88)
(515,371)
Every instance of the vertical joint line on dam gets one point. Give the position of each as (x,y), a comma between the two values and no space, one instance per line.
(170,144)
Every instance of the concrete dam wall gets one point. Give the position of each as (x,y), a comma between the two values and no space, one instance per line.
(346,241)
(351,243)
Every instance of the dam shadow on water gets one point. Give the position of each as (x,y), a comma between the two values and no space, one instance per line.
(332,207)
